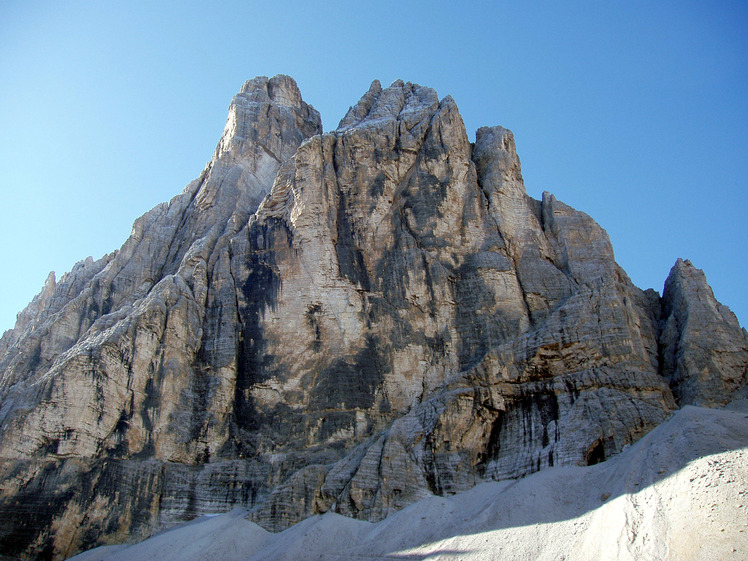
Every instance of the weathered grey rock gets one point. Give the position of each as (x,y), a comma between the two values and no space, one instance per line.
(705,351)
(442,254)
(346,321)
(122,361)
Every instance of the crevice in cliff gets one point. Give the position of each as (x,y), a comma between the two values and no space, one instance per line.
(351,262)
(532,319)
(659,330)
(595,453)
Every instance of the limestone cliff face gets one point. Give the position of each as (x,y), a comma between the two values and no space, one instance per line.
(345,321)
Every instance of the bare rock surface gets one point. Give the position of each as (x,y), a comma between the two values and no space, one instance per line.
(344,322)
(705,349)
(678,494)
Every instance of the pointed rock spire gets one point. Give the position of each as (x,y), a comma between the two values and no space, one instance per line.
(358,112)
(705,351)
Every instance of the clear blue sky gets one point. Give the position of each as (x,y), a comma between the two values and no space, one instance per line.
(634,112)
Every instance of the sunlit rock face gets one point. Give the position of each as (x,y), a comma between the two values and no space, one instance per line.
(346,321)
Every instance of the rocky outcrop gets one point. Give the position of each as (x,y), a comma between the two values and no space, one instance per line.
(342,322)
(705,351)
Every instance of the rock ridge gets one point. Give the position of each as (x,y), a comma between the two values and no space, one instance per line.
(346,321)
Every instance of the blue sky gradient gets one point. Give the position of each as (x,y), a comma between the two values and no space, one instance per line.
(634,112)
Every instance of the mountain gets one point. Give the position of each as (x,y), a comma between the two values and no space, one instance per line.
(345,322)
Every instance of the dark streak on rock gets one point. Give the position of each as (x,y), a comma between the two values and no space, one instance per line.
(350,382)
(350,258)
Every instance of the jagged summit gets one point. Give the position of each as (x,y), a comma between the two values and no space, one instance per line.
(703,366)
(346,322)
(402,101)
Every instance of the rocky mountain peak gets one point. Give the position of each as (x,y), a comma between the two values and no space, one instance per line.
(402,101)
(495,149)
(343,322)
(704,348)
(280,89)
(267,118)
